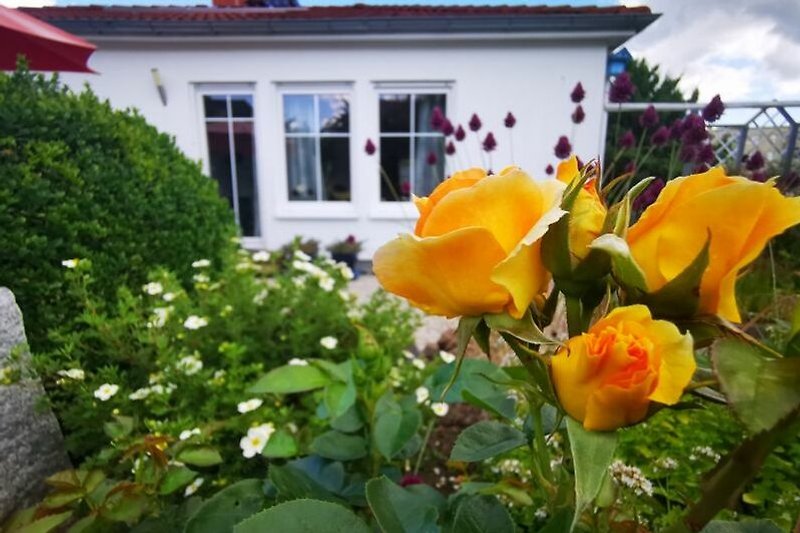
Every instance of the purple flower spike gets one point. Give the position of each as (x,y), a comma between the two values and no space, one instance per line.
(577,94)
(489,144)
(437,118)
(578,115)
(460,133)
(549,170)
(628,140)
(660,136)
(649,118)
(755,161)
(475,123)
(706,154)
(369,148)
(694,130)
(649,195)
(562,148)
(432,159)
(676,129)
(622,89)
(510,120)
(450,149)
(688,153)
(759,176)
(447,128)
(713,110)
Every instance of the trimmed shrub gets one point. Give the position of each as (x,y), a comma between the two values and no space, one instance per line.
(80,179)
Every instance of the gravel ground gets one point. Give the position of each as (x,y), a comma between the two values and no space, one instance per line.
(432,326)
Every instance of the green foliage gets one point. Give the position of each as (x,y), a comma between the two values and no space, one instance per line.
(79,179)
(304,516)
(486,439)
(228,507)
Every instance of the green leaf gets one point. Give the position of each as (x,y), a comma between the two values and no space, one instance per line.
(304,516)
(280,444)
(349,421)
(466,328)
(46,524)
(761,389)
(398,510)
(120,427)
(592,453)
(228,507)
(524,328)
(290,379)
(125,505)
(200,456)
(482,514)
(339,446)
(339,397)
(681,296)
(486,439)
(293,483)
(753,526)
(176,478)
(86,523)
(62,498)
(623,265)
(393,425)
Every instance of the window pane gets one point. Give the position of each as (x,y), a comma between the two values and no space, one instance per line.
(334,114)
(301,168)
(427,176)
(395,158)
(242,105)
(423,109)
(216,105)
(395,113)
(219,160)
(298,113)
(244,146)
(335,169)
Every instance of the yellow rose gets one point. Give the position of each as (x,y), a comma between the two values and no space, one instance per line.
(588,214)
(475,248)
(607,377)
(741,216)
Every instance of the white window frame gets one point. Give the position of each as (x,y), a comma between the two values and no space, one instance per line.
(393,210)
(315,209)
(227,89)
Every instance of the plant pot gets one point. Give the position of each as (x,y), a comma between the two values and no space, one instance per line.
(348,259)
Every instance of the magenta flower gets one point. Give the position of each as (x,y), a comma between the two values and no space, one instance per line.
(660,136)
(411,479)
(432,159)
(369,147)
(405,188)
(706,154)
(577,94)
(694,130)
(447,128)
(649,195)
(437,118)
(622,89)
(759,176)
(628,140)
(688,153)
(562,148)
(649,118)
(460,133)
(489,144)
(549,170)
(713,110)
(475,123)
(755,161)
(578,115)
(676,129)
(450,149)
(510,120)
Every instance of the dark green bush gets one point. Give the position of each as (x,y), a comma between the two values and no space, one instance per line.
(79,179)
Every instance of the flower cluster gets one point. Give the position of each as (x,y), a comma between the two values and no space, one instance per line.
(631,477)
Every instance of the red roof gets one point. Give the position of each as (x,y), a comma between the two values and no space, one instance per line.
(357,11)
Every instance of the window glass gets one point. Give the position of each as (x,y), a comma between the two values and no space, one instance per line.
(242,105)
(424,105)
(428,164)
(334,114)
(298,113)
(395,162)
(216,105)
(395,113)
(244,147)
(335,168)
(301,160)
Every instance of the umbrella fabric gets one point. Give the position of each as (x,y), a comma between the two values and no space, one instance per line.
(45,47)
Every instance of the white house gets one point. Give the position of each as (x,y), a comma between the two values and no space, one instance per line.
(279,102)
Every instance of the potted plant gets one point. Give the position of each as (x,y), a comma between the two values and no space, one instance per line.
(346,251)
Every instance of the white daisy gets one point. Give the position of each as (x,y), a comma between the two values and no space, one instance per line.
(195,322)
(447,357)
(255,440)
(301,255)
(345,271)
(192,487)
(326,283)
(187,434)
(329,342)
(73,373)
(70,263)
(440,408)
(418,363)
(296,361)
(190,365)
(160,316)
(201,263)
(153,288)
(169,296)
(201,278)
(249,405)
(422,394)
(261,256)
(140,394)
(106,391)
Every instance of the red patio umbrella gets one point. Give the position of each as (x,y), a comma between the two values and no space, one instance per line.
(46,47)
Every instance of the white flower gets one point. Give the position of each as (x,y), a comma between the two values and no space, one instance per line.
(299,282)
(326,283)
(705,451)
(631,477)
(418,363)
(346,295)
(201,278)
(190,365)
(422,394)
(345,271)
(296,361)
(192,487)
(106,391)
(667,463)
(249,405)
(440,408)
(408,355)
(160,316)
(153,288)
(70,263)
(266,430)
(73,373)
(301,255)
(155,378)
(169,296)
(255,440)
(261,257)
(195,322)
(329,342)
(187,434)
(201,263)
(541,513)
(158,388)
(241,267)
(447,357)
(140,394)
(259,298)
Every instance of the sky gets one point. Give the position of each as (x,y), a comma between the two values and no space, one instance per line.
(740,49)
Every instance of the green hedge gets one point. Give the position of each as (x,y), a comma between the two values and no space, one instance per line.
(79,179)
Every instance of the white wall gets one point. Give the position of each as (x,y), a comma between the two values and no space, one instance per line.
(532,79)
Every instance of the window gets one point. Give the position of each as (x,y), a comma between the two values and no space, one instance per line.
(317,129)
(412,152)
(231,154)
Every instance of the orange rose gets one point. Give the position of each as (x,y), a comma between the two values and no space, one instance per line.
(475,248)
(588,214)
(741,216)
(607,377)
